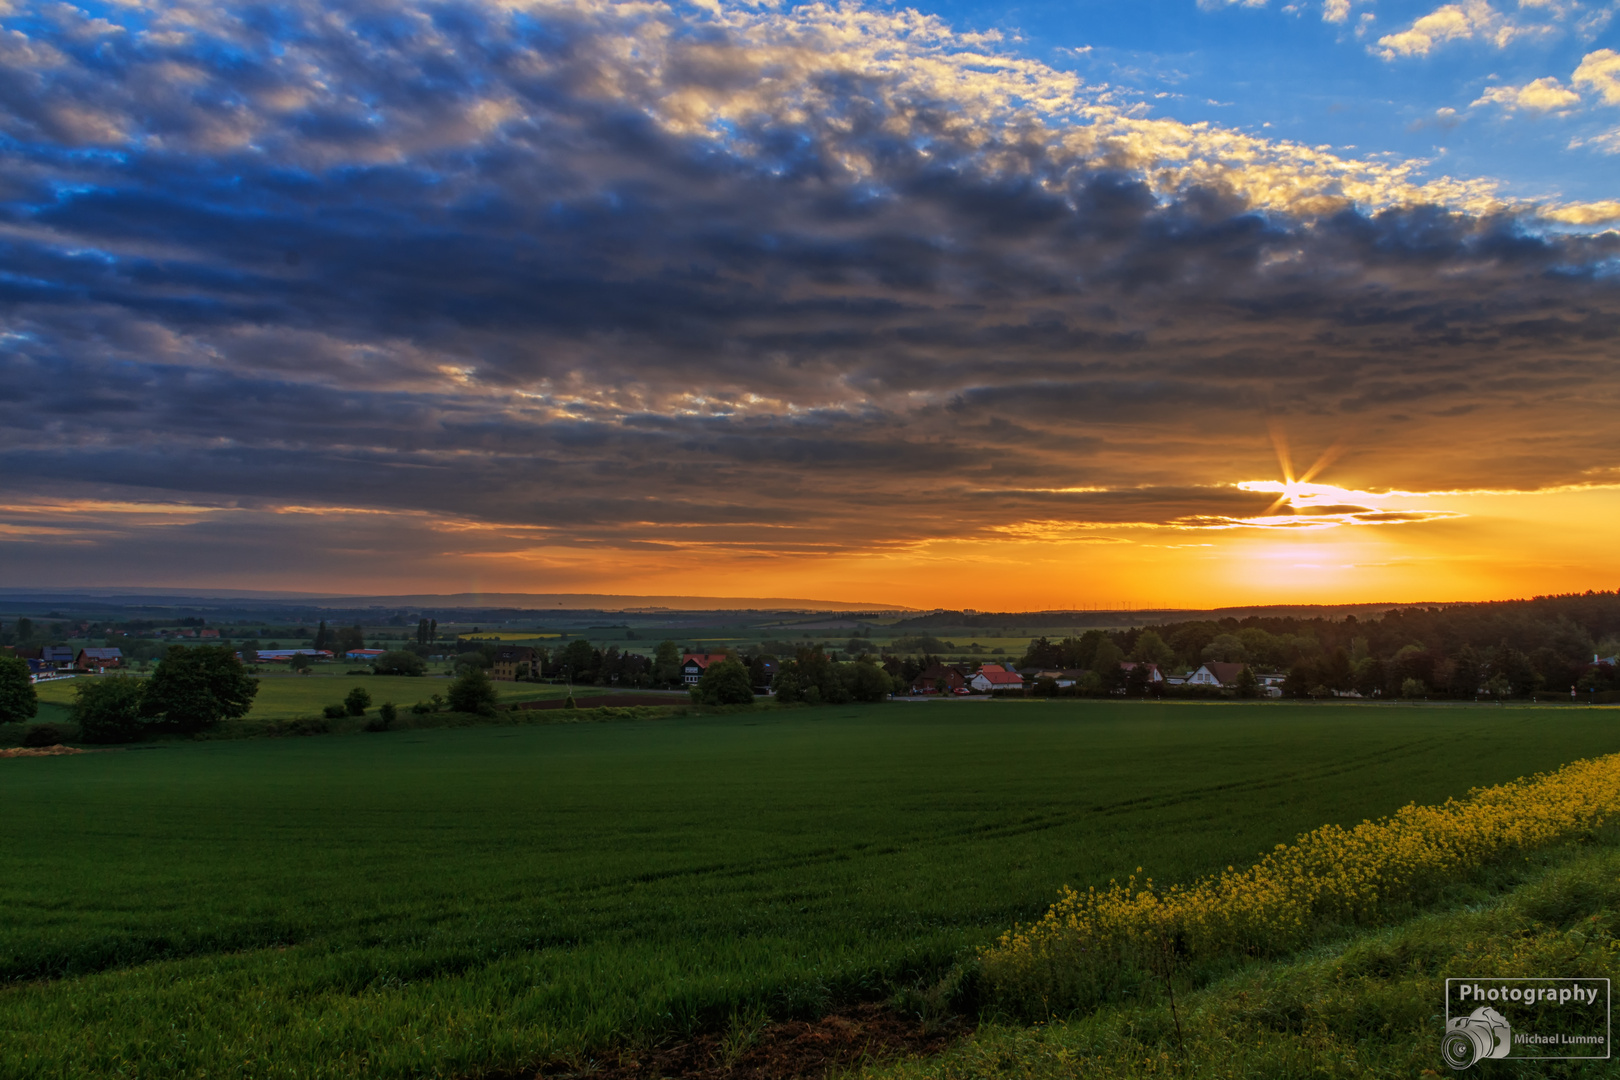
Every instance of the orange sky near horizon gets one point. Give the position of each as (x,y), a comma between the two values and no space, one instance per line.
(1487,546)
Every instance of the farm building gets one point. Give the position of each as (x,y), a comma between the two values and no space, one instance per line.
(284,655)
(513,662)
(993,677)
(98,659)
(928,682)
(693,665)
(362,654)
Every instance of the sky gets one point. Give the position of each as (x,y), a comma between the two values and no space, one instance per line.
(1014,307)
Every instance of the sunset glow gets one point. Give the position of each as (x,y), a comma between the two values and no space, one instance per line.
(912,307)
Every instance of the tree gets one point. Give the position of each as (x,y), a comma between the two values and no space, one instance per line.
(1151,649)
(193,689)
(473,693)
(1247,685)
(1299,681)
(108,710)
(399,662)
(864,681)
(787,685)
(18,701)
(357,701)
(1227,648)
(667,663)
(300,663)
(348,639)
(725,683)
(581,661)
(320,636)
(1413,689)
(1107,658)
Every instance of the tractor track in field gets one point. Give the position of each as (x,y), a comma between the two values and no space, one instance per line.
(1033,823)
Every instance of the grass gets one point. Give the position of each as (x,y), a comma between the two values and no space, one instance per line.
(287,696)
(449,901)
(1365,1008)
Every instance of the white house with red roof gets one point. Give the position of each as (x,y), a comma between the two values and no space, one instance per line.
(993,677)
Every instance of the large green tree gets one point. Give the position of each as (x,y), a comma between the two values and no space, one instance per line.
(725,683)
(195,688)
(18,701)
(108,710)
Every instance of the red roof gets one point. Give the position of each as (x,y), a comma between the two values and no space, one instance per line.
(993,674)
(704,659)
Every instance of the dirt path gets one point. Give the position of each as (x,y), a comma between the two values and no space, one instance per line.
(789,1050)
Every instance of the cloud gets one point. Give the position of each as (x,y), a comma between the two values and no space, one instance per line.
(1607,142)
(1469,20)
(545,281)
(1541,95)
(1591,213)
(1335,11)
(1599,73)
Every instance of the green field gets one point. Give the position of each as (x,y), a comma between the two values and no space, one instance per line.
(285,697)
(441,902)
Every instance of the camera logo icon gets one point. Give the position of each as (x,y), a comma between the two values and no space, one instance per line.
(1484,1033)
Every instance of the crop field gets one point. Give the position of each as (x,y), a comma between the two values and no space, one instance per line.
(444,902)
(283,697)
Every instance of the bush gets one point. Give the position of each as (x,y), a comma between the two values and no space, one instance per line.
(386,714)
(473,693)
(1413,688)
(43,735)
(335,712)
(399,662)
(357,701)
(421,708)
(108,710)
(17,698)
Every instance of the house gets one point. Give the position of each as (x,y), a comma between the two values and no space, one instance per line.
(693,665)
(513,662)
(98,659)
(928,682)
(1271,683)
(362,654)
(57,656)
(994,677)
(1216,673)
(209,634)
(284,655)
(1154,675)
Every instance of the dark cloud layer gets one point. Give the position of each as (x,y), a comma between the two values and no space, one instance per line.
(603,272)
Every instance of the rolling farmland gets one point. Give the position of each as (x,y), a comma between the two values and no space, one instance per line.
(457,900)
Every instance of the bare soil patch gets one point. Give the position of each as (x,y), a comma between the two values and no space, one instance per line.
(58,750)
(786,1050)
